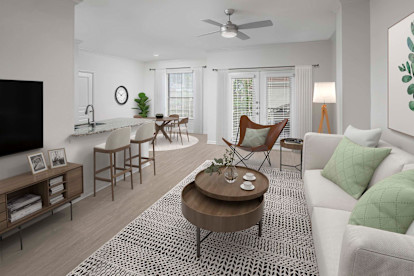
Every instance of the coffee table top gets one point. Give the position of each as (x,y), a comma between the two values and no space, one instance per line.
(215,186)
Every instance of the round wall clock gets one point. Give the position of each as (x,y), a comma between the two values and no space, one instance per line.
(121,95)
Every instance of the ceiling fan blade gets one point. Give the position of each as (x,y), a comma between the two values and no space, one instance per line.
(212,22)
(242,36)
(208,33)
(254,25)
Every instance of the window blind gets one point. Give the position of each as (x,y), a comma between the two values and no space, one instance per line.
(180,94)
(244,99)
(278,95)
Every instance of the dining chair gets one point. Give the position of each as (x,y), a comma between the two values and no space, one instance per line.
(117,141)
(145,133)
(173,124)
(181,126)
(272,136)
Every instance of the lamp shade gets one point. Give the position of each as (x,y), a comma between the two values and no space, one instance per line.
(324,92)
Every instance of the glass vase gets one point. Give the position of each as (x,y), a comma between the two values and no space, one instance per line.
(230,174)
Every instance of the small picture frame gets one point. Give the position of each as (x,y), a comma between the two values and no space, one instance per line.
(37,162)
(57,158)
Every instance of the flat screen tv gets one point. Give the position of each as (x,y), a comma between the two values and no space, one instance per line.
(21,116)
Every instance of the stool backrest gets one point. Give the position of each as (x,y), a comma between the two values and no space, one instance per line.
(145,131)
(118,138)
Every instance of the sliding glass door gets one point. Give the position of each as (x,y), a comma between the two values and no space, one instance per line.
(264,97)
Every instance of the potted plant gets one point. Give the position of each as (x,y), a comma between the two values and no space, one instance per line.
(143,105)
(230,171)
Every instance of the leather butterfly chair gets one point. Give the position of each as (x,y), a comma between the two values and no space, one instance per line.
(271,139)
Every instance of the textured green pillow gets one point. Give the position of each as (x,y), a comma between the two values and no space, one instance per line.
(388,205)
(352,166)
(255,137)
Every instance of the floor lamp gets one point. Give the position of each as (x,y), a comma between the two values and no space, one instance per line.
(324,92)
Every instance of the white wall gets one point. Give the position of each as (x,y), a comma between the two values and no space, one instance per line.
(305,53)
(355,62)
(37,44)
(384,14)
(109,73)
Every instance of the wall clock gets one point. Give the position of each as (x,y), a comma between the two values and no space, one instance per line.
(121,95)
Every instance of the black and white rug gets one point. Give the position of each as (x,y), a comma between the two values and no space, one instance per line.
(162,242)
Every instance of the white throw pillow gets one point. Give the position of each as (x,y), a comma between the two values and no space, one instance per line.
(365,138)
(408,167)
(410,230)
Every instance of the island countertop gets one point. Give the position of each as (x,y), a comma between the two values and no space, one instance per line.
(108,125)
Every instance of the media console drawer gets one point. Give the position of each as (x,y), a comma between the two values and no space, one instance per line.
(2,198)
(3,216)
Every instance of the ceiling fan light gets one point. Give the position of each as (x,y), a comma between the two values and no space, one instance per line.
(229,34)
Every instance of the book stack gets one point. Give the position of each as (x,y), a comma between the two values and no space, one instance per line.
(56,199)
(56,189)
(23,206)
(295,141)
(56,180)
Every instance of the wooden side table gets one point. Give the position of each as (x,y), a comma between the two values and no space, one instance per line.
(292,146)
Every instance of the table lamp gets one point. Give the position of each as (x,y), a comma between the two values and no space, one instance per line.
(324,92)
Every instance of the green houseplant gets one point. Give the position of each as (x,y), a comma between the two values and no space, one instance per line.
(143,105)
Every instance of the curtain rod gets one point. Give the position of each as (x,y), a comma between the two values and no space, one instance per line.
(187,67)
(266,67)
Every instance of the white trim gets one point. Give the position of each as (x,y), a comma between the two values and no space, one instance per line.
(211,142)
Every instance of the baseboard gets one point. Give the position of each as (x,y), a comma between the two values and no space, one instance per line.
(211,142)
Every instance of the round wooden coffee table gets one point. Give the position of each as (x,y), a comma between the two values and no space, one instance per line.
(212,204)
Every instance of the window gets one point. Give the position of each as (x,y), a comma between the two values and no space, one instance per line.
(244,99)
(180,94)
(278,90)
(264,99)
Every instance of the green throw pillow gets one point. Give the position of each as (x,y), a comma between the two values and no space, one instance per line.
(352,166)
(255,137)
(388,205)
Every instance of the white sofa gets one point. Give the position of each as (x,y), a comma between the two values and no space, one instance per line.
(343,249)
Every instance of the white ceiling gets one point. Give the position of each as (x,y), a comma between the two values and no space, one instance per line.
(140,28)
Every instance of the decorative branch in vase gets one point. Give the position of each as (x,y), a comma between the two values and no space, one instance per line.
(230,171)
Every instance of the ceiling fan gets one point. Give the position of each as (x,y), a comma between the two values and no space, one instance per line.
(230,30)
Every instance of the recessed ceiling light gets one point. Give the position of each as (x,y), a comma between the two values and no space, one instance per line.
(156,55)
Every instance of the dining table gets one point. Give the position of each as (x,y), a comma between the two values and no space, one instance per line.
(164,121)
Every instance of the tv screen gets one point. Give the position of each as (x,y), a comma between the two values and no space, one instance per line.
(21,116)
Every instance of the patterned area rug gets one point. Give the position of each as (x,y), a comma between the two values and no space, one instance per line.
(162,242)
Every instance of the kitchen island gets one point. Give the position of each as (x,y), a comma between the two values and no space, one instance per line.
(108,126)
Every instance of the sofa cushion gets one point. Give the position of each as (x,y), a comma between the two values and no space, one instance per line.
(321,192)
(328,228)
(389,205)
(392,164)
(352,166)
(363,137)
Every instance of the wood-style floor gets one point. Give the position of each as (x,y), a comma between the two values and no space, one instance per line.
(56,245)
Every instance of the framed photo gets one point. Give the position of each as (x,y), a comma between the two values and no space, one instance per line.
(401,76)
(37,162)
(57,158)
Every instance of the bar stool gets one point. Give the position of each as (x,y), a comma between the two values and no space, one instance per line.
(145,133)
(117,141)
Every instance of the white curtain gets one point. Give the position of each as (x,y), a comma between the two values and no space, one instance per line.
(160,91)
(198,100)
(222,106)
(301,113)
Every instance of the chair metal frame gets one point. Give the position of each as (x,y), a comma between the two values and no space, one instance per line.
(272,136)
